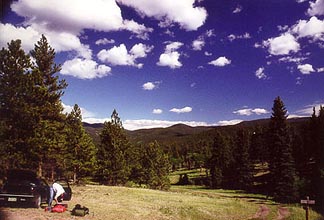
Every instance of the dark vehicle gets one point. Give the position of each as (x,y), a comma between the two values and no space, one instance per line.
(23,187)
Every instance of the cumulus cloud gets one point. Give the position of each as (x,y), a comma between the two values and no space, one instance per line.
(139,30)
(259,73)
(63,22)
(104,41)
(157,111)
(60,41)
(118,55)
(28,36)
(150,85)
(320,69)
(96,14)
(305,68)
(84,69)
(282,45)
(181,110)
(171,56)
(314,28)
(182,12)
(220,61)
(316,8)
(198,44)
(250,111)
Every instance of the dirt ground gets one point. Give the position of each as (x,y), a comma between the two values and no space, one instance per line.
(34,214)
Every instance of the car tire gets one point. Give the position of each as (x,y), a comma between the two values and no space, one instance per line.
(37,202)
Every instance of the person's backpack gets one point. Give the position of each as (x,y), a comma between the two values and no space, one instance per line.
(59,208)
(79,210)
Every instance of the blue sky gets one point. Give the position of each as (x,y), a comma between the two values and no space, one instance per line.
(158,63)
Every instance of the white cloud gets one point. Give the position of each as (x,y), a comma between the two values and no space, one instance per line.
(173,46)
(232,37)
(85,113)
(229,122)
(260,73)
(84,69)
(198,44)
(182,12)
(292,59)
(320,69)
(104,41)
(73,15)
(316,8)
(118,55)
(220,61)
(282,45)
(308,110)
(63,22)
(181,110)
(170,57)
(260,111)
(28,36)
(313,28)
(150,85)
(238,9)
(208,54)
(140,50)
(250,111)
(157,111)
(305,68)
(60,41)
(147,124)
(139,29)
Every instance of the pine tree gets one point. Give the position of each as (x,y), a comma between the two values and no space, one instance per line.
(243,164)
(317,149)
(16,116)
(282,167)
(81,151)
(155,167)
(113,166)
(219,160)
(48,140)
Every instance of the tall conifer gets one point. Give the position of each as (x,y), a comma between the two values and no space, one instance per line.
(282,167)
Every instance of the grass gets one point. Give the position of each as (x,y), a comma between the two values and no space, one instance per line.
(180,203)
(106,202)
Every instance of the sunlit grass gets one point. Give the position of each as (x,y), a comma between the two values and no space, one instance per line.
(106,202)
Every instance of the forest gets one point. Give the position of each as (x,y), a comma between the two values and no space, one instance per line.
(281,158)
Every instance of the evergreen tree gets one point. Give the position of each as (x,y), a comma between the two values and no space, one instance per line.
(243,164)
(48,140)
(31,110)
(282,167)
(155,166)
(81,151)
(219,160)
(16,116)
(113,167)
(317,146)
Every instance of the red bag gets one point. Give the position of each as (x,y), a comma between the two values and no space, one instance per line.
(59,208)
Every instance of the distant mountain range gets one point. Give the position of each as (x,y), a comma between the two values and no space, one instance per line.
(181,131)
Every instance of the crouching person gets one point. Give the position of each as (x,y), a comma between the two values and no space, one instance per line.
(56,190)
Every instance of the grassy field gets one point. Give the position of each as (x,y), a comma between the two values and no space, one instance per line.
(181,202)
